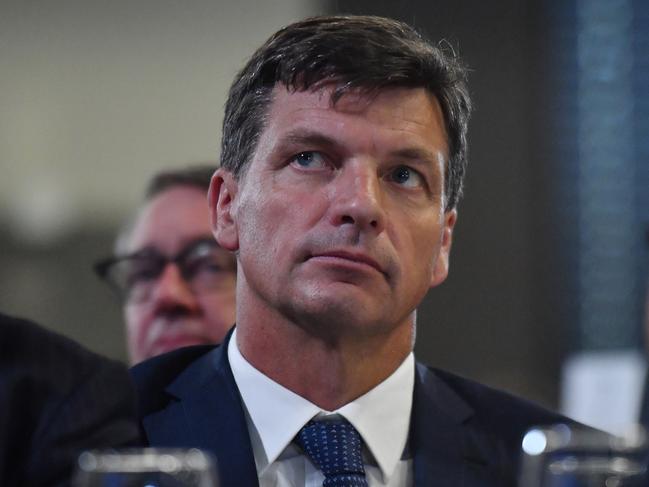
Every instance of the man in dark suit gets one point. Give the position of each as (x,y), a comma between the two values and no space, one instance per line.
(343,156)
(57,400)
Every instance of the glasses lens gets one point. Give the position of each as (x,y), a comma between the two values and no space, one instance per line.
(203,265)
(135,275)
(207,266)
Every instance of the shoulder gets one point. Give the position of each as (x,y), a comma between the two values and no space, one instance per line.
(58,399)
(494,407)
(488,401)
(486,424)
(47,368)
(495,413)
(29,352)
(153,376)
(21,336)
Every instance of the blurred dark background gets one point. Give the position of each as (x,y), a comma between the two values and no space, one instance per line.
(548,257)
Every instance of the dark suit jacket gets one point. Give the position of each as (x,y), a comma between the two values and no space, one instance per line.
(462,434)
(56,399)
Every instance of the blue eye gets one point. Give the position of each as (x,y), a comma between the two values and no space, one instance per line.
(406,176)
(309,159)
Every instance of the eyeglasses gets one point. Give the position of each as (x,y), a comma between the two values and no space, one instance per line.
(203,265)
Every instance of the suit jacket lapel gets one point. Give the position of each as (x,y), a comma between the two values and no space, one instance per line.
(208,415)
(445,451)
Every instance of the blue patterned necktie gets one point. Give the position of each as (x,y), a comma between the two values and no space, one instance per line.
(335,448)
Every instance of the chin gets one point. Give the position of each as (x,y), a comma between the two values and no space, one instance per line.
(337,317)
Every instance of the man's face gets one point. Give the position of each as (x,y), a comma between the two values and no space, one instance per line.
(339,220)
(173,314)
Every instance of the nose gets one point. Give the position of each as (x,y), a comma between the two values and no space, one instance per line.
(357,197)
(171,293)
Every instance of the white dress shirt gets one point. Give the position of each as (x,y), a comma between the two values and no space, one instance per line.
(275,415)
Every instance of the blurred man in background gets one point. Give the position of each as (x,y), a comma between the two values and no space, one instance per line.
(176,283)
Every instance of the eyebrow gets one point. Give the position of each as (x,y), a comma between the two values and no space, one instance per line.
(310,137)
(416,154)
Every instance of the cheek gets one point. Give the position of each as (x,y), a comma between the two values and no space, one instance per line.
(421,242)
(219,308)
(136,319)
(267,226)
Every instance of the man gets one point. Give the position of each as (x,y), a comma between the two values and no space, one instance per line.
(176,283)
(344,149)
(57,400)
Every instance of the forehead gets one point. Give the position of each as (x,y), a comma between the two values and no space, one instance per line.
(170,220)
(392,116)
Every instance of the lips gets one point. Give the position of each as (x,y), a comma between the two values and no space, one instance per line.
(352,257)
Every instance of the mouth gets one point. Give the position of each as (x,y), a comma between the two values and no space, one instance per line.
(346,258)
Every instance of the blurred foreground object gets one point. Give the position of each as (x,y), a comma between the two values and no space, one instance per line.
(149,467)
(570,456)
(603,389)
(56,400)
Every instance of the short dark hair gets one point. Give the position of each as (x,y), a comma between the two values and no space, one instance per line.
(355,52)
(197,176)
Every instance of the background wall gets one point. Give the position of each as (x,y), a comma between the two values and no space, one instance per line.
(94,96)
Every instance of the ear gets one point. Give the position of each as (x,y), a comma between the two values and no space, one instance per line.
(221,195)
(440,271)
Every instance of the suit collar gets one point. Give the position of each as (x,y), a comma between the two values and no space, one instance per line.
(381,415)
(208,414)
(444,451)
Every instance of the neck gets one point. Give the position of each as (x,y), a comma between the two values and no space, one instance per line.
(328,372)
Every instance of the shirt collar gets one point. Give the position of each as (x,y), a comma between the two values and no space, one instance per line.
(381,416)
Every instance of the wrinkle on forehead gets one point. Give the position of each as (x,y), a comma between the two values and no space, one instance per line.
(388,109)
(358,102)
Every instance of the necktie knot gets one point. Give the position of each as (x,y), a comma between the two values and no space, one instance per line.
(335,448)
